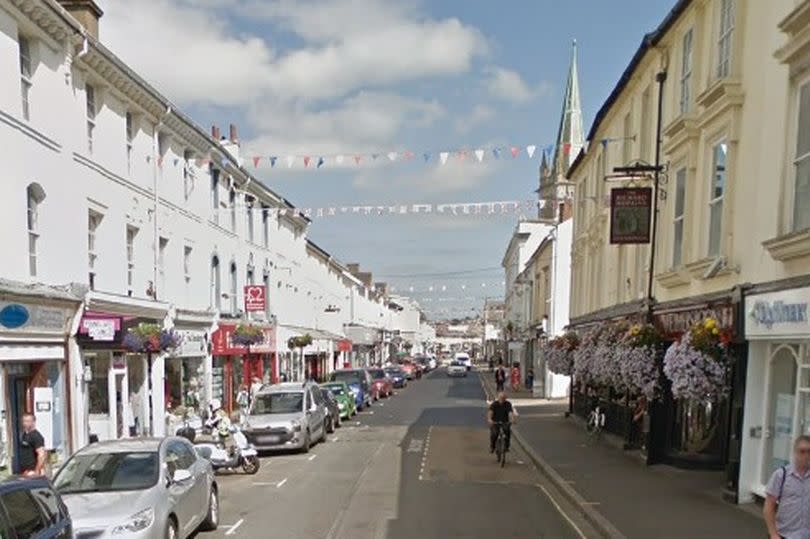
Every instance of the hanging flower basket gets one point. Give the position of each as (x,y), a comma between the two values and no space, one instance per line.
(636,354)
(150,338)
(696,365)
(559,353)
(300,341)
(247,335)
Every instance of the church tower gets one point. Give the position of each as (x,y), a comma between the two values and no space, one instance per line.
(570,140)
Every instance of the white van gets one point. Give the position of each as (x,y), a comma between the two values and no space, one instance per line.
(464,358)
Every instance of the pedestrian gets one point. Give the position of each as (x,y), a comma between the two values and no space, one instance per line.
(255,387)
(637,438)
(32,448)
(514,378)
(787,499)
(530,379)
(500,378)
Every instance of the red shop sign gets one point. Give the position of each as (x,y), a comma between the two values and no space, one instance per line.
(222,345)
(255,298)
(344,345)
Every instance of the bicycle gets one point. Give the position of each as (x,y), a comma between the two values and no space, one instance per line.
(596,422)
(500,444)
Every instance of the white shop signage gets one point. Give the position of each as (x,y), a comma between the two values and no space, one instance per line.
(778,314)
(31,318)
(192,343)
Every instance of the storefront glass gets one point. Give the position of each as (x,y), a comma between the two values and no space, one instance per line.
(696,424)
(184,378)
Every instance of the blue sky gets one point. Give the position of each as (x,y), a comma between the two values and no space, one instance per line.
(361,76)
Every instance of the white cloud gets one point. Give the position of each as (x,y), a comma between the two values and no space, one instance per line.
(478,115)
(508,85)
(432,182)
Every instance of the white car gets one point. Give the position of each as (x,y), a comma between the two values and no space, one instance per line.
(432,363)
(456,368)
(464,359)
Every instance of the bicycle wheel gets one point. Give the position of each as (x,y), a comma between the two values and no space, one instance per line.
(499,448)
(502,457)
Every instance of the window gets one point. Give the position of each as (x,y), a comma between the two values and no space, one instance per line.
(677,221)
(23,513)
(266,283)
(161,284)
(250,275)
(48,504)
(34,195)
(627,138)
(724,38)
(93,222)
(234,298)
(215,193)
(718,188)
(249,202)
(686,71)
(216,284)
(187,262)
(26,73)
(232,204)
(645,131)
(265,226)
(130,136)
(90,95)
(188,175)
(132,233)
(801,192)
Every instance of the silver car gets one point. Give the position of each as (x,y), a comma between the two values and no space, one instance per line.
(287,416)
(139,488)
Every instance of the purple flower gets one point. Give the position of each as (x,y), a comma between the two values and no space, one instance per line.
(694,374)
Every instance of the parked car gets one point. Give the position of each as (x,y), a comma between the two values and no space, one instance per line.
(344,398)
(381,382)
(432,363)
(359,383)
(456,368)
(31,507)
(409,369)
(397,375)
(287,416)
(464,358)
(333,410)
(144,487)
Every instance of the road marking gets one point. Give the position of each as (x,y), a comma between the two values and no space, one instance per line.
(371,412)
(281,483)
(263,483)
(334,439)
(591,503)
(311,458)
(563,513)
(235,527)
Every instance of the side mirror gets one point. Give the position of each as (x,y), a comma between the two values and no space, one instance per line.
(181,476)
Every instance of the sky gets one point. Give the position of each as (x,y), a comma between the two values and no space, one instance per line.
(329,77)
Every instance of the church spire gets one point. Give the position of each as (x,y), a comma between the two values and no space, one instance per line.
(570,136)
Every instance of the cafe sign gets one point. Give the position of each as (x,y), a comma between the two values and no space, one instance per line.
(630,211)
(778,314)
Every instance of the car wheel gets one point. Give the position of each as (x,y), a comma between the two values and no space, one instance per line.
(331,424)
(251,465)
(212,518)
(307,443)
(324,428)
(171,529)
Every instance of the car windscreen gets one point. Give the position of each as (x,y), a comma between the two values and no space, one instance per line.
(394,372)
(377,374)
(278,403)
(103,472)
(336,390)
(350,377)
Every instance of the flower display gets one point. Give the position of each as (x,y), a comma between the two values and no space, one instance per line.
(559,353)
(696,365)
(301,341)
(150,338)
(247,335)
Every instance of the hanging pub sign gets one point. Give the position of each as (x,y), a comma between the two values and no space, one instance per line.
(255,298)
(630,211)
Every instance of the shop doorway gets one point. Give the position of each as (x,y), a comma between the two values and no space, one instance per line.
(18,395)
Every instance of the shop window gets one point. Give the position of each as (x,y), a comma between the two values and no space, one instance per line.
(780,405)
(716,195)
(35,195)
(801,191)
(97,389)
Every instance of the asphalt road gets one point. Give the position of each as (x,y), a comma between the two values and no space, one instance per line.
(415,465)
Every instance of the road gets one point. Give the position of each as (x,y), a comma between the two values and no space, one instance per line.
(415,465)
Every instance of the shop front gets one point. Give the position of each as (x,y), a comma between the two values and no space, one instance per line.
(237,367)
(365,345)
(34,374)
(777,402)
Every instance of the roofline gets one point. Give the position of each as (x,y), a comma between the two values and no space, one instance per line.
(650,40)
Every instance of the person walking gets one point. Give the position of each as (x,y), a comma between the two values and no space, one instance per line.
(32,448)
(515,377)
(500,378)
(787,500)
(530,379)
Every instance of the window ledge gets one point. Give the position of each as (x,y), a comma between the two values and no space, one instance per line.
(698,268)
(789,246)
(680,131)
(797,27)
(729,89)
(673,277)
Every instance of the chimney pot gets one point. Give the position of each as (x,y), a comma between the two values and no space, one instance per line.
(86,12)
(232,133)
(215,132)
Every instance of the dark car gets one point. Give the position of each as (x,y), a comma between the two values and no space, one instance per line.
(31,508)
(359,383)
(333,414)
(398,377)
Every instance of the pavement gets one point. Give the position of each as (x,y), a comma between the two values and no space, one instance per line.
(415,465)
(615,490)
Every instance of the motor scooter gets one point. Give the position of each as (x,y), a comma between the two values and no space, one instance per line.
(243,455)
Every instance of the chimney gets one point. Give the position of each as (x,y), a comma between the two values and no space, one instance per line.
(215,132)
(86,12)
(232,132)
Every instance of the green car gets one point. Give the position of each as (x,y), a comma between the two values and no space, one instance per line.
(344,398)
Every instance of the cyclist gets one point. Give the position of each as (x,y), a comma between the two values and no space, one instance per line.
(501,414)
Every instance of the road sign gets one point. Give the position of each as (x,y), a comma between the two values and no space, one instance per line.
(255,298)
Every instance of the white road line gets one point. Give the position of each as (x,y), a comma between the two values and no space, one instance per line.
(235,527)
(563,513)
(312,457)
(335,439)
(281,483)
(263,483)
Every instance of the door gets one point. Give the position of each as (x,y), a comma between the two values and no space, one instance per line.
(780,406)
(18,397)
(199,491)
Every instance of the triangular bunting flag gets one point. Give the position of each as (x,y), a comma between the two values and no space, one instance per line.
(374,156)
(408,155)
(357,159)
(290,161)
(175,161)
(426,156)
(479,154)
(320,162)
(307,159)
(272,161)
(148,158)
(443,157)
(515,151)
(339,159)
(256,162)
(392,156)
(462,155)
(530,150)
(496,152)
(160,162)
